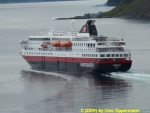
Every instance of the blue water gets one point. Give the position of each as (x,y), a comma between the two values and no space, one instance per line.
(23,90)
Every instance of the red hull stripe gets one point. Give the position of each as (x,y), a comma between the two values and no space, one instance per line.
(73,59)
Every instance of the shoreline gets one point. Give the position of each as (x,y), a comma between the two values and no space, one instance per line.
(125,17)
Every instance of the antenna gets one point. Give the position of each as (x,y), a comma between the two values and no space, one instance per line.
(52,27)
(53,24)
(72,25)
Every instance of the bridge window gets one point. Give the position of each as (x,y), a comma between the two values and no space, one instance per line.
(126,55)
(108,55)
(102,55)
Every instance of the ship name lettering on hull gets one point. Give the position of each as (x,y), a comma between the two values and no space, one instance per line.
(86,65)
(116,66)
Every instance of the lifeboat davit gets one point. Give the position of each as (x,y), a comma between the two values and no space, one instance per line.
(65,44)
(56,43)
(43,45)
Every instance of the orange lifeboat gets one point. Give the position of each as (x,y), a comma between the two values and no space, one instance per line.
(55,43)
(66,44)
(43,45)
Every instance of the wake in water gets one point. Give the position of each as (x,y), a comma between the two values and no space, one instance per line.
(120,75)
(61,75)
(132,76)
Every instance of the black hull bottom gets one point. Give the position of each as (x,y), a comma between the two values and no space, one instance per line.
(80,67)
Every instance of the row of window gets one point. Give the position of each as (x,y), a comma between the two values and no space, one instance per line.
(35,43)
(85,49)
(83,55)
(84,44)
(80,39)
(30,48)
(39,39)
(59,39)
(38,53)
(89,55)
(114,55)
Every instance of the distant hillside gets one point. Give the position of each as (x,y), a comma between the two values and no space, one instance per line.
(113,2)
(19,1)
(130,9)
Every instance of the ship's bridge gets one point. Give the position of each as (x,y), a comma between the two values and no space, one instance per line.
(39,38)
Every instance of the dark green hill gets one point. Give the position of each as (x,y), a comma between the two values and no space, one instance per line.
(130,9)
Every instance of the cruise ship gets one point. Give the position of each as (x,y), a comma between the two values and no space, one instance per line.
(71,51)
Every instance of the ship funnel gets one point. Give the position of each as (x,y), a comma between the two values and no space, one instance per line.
(90,28)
